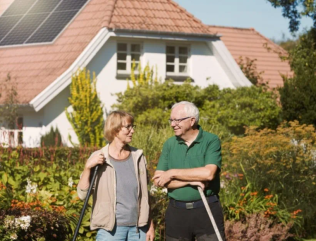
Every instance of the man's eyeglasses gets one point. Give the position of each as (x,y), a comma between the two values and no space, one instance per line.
(130,127)
(177,121)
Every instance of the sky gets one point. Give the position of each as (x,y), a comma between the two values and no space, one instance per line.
(257,14)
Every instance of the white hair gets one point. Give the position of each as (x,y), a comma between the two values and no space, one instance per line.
(190,109)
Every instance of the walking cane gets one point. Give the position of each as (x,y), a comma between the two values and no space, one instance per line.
(219,237)
(85,203)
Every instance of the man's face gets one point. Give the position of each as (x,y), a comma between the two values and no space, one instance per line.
(180,127)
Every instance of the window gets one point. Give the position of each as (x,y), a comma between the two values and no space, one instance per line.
(177,60)
(127,54)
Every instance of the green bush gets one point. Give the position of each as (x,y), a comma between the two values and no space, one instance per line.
(244,106)
(52,138)
(150,102)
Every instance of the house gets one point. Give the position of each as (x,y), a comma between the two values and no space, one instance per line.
(43,43)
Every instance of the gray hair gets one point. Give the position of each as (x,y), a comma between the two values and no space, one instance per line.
(190,109)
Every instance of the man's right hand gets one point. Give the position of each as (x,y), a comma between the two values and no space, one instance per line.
(196,183)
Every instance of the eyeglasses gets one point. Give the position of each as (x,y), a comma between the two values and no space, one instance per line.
(130,127)
(177,121)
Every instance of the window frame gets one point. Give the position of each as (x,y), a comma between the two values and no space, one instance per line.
(176,62)
(128,60)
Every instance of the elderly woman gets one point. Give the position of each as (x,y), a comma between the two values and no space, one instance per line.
(120,208)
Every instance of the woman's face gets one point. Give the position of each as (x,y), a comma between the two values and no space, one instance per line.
(126,133)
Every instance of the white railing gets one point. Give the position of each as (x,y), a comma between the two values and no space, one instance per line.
(11,138)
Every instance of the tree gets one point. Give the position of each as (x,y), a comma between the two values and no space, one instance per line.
(286,43)
(297,96)
(295,9)
(9,109)
(249,68)
(87,115)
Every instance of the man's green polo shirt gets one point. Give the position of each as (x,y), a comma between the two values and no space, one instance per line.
(204,150)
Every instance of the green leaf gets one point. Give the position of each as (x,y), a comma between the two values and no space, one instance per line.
(4,178)
(42,175)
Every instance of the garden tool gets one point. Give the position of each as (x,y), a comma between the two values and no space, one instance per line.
(85,202)
(219,237)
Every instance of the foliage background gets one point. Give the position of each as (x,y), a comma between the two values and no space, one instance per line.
(297,96)
(255,183)
(150,102)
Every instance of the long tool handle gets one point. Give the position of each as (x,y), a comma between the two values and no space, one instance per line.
(85,203)
(219,237)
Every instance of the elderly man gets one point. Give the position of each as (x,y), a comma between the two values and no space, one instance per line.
(189,159)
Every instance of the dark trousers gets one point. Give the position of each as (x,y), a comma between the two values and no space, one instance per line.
(185,224)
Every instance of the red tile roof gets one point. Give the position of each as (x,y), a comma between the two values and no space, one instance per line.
(247,42)
(34,67)
(156,15)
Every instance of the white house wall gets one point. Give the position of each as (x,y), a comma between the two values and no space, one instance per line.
(53,115)
(204,69)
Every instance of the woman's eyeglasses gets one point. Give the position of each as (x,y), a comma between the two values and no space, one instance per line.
(130,127)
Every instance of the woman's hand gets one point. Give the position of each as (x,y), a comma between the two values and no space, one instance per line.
(96,159)
(150,235)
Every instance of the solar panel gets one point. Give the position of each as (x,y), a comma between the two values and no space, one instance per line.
(36,21)
(22,31)
(52,27)
(67,5)
(19,7)
(44,6)
(7,23)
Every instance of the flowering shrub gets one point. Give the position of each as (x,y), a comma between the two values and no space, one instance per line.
(42,186)
(281,161)
(21,224)
(256,227)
